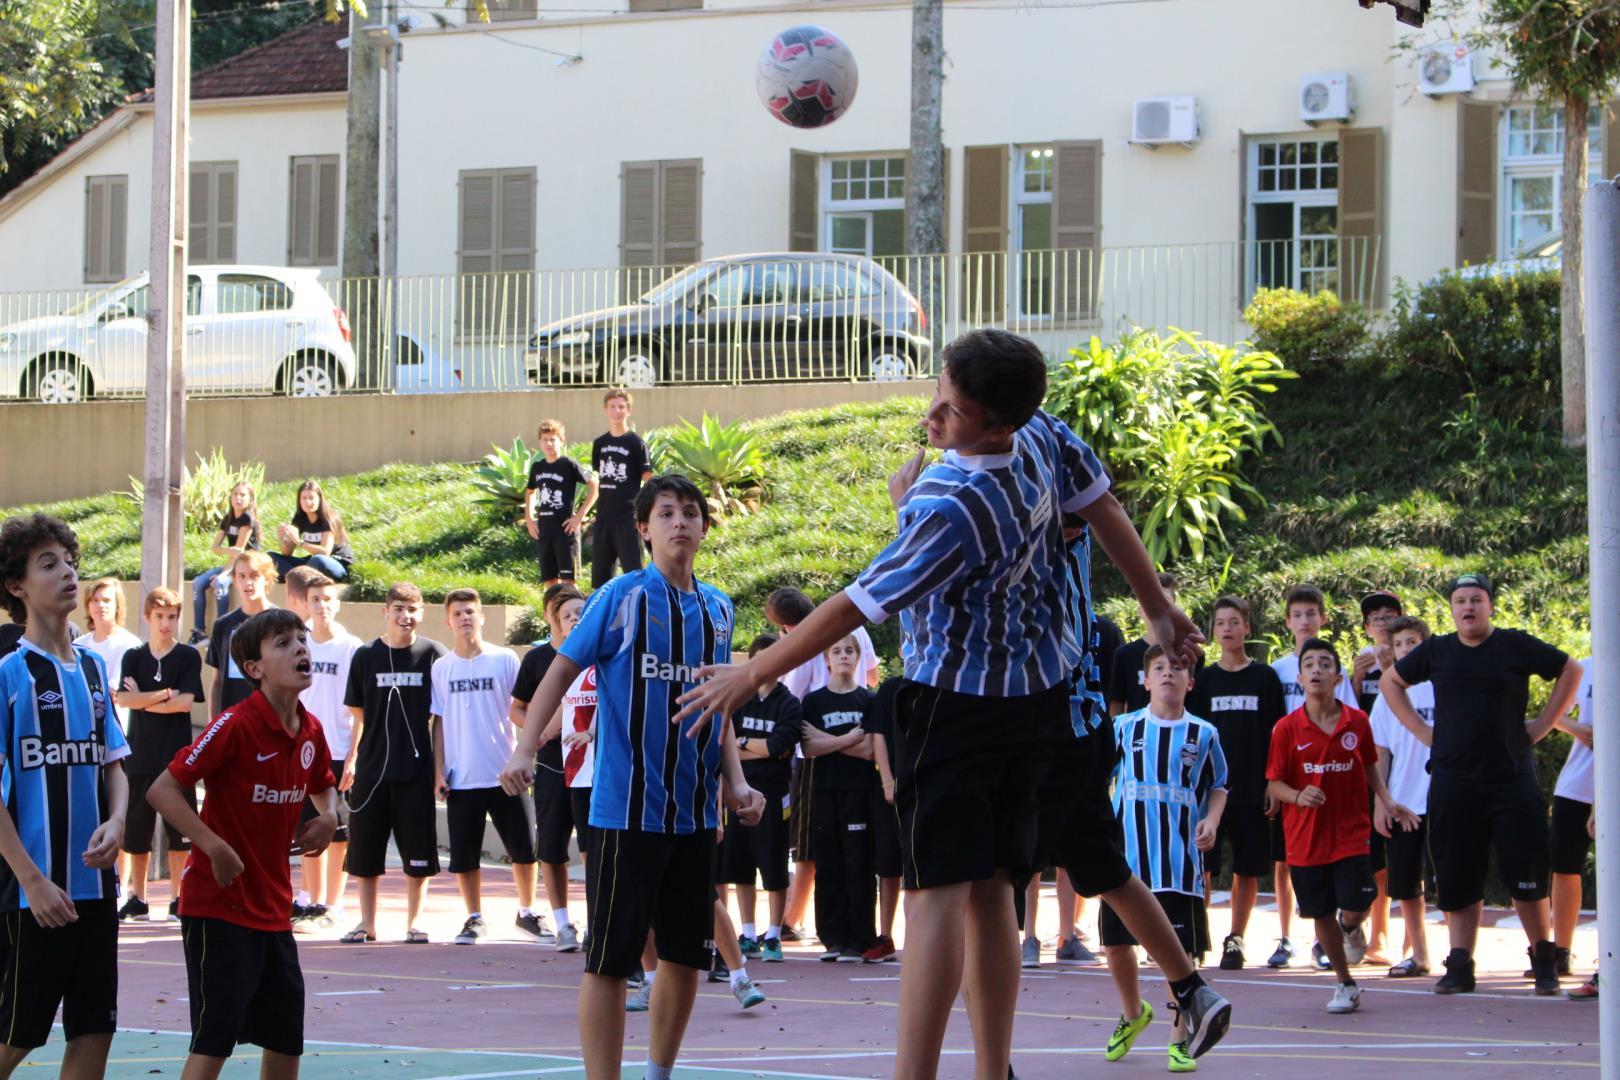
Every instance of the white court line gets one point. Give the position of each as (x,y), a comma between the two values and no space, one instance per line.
(495,986)
(1296,984)
(346,993)
(874,978)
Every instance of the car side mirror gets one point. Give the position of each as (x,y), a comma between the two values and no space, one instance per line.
(704,303)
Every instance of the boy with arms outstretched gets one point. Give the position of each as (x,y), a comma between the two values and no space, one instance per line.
(655,792)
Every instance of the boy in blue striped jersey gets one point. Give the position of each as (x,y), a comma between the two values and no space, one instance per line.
(655,795)
(65,796)
(1169,794)
(977,575)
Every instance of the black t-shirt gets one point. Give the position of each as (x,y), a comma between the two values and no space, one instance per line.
(619,462)
(154,737)
(555,484)
(1481,695)
(777,720)
(837,714)
(1244,706)
(235,687)
(394,690)
(536,662)
(1125,682)
(314,534)
(1367,691)
(881,722)
(232,528)
(10,634)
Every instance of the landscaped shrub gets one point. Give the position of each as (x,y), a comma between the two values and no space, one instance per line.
(724,458)
(205,492)
(1314,334)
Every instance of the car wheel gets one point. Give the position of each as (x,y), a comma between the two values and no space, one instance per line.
(635,367)
(57,380)
(309,376)
(887,362)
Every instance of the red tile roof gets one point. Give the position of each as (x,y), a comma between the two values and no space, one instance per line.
(302,61)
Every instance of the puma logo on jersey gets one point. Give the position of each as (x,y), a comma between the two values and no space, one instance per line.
(398,678)
(33,752)
(263,793)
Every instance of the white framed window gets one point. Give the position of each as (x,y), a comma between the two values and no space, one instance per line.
(1293,201)
(1532,170)
(1034,170)
(864,205)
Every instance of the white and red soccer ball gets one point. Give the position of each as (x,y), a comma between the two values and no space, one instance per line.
(807,77)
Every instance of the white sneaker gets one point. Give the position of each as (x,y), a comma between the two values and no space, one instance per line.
(1346,998)
(1355,945)
(567,938)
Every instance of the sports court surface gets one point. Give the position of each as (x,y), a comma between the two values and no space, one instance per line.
(505,1008)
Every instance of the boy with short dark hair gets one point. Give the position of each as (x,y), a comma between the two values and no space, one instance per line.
(1243,698)
(60,832)
(1127,690)
(1321,767)
(621,462)
(548,504)
(251,573)
(1403,762)
(656,787)
(260,760)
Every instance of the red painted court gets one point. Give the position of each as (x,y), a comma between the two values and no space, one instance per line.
(505,1008)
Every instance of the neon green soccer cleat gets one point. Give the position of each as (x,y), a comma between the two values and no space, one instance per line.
(1180,1060)
(1125,1033)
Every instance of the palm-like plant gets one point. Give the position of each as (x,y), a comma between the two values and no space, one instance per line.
(503,477)
(724,456)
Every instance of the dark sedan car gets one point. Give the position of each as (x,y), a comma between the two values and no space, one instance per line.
(769,317)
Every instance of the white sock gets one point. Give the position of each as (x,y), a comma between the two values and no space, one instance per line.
(659,1072)
(302,899)
(738,975)
(747,929)
(773,932)
(522,911)
(560,917)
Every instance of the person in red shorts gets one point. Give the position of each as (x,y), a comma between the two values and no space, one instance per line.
(260,759)
(1321,766)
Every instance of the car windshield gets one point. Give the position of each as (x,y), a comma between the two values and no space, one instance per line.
(96,301)
(673,288)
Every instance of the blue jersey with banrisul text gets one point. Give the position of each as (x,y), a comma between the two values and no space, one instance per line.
(1166,770)
(977,571)
(647,639)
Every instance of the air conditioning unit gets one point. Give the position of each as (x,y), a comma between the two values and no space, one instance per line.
(1445,69)
(1159,121)
(1326,98)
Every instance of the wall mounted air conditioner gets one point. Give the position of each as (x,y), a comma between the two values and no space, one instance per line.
(1326,98)
(1162,121)
(1445,69)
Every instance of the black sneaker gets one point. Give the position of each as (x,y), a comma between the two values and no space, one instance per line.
(1459,976)
(1232,953)
(1205,1015)
(831,955)
(718,971)
(633,982)
(471,931)
(134,908)
(299,911)
(1544,962)
(198,636)
(310,918)
(1563,961)
(174,910)
(530,924)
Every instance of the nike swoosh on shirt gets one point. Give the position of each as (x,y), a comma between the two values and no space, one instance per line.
(1307,746)
(267,757)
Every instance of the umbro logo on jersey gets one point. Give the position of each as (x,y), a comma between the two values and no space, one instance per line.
(34,752)
(50,699)
(385,679)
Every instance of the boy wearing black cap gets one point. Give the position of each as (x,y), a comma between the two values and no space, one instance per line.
(1483,793)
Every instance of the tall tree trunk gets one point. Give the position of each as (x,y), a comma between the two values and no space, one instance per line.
(925,179)
(1572,305)
(360,293)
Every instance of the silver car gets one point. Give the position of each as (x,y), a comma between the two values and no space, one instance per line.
(248,329)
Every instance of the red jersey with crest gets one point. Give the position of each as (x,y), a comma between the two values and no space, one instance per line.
(257,778)
(1303,754)
(579,714)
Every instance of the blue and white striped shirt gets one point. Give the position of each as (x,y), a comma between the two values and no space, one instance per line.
(1166,770)
(978,567)
(57,729)
(646,638)
(1088,703)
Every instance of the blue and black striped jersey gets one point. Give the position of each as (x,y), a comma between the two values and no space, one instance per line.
(1166,770)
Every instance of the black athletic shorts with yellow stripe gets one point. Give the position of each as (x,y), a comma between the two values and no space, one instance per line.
(74,967)
(638,881)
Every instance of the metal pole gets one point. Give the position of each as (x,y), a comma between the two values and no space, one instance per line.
(391,220)
(1601,241)
(162,518)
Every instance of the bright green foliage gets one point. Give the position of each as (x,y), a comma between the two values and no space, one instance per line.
(205,492)
(1311,332)
(724,456)
(1562,46)
(503,477)
(1175,416)
(51,83)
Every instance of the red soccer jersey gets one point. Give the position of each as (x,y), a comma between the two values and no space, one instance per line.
(257,778)
(1302,755)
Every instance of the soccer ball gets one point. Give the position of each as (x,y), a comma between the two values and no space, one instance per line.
(807,77)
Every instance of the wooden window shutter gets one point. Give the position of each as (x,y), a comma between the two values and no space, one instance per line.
(95,228)
(312,216)
(638,213)
(300,212)
(211,232)
(225,211)
(1476,182)
(1077,227)
(505,10)
(984,233)
(515,254)
(117,210)
(199,236)
(1611,139)
(475,249)
(682,214)
(327,195)
(1361,215)
(804,199)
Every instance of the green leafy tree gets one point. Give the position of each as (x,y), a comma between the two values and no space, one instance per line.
(52,85)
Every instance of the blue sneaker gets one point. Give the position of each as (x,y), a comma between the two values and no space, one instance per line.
(749,947)
(641,1000)
(771,950)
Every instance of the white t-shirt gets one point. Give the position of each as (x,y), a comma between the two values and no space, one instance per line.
(1408,757)
(112,651)
(811,675)
(1287,670)
(472,699)
(579,714)
(329,675)
(1575,779)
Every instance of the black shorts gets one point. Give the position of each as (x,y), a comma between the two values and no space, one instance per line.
(140,820)
(1407,856)
(1279,839)
(642,881)
(614,539)
(1186,914)
(1246,831)
(553,815)
(465,812)
(1467,819)
(801,818)
(762,849)
(1346,885)
(341,834)
(1570,843)
(1375,842)
(246,987)
(402,809)
(885,837)
(558,556)
(73,966)
(968,770)
(579,803)
(1090,842)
